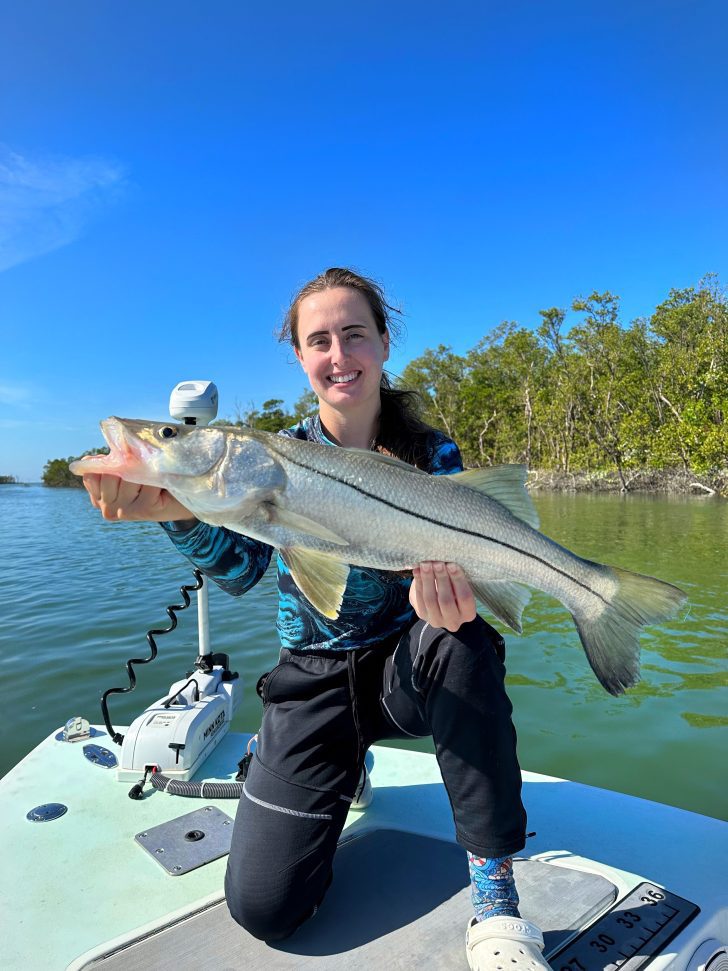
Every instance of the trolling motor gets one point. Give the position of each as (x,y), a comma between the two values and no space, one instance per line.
(174,736)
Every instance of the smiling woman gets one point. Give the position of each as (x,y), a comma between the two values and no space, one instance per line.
(380,416)
(398,656)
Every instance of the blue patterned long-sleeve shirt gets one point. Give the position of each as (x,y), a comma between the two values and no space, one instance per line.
(376,602)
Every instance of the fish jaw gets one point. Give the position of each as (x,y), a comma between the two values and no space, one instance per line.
(128,456)
(192,463)
(155,453)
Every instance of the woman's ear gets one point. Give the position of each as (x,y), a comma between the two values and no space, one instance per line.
(300,358)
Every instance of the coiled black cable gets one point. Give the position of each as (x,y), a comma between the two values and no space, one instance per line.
(172,610)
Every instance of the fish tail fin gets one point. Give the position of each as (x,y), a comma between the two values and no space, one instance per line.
(611,637)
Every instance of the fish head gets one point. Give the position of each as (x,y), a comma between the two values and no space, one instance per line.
(155,453)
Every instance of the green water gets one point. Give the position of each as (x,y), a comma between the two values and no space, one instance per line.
(78,595)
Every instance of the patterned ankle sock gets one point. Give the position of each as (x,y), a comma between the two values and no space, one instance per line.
(492,887)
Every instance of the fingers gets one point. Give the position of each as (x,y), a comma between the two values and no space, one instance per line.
(92,485)
(113,496)
(463,592)
(109,489)
(437,593)
(102,489)
(127,495)
(441,595)
(117,499)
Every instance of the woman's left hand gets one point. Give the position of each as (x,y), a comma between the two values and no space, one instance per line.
(441,595)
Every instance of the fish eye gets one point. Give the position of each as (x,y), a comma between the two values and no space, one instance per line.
(167,432)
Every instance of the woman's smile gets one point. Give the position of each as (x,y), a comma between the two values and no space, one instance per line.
(344,378)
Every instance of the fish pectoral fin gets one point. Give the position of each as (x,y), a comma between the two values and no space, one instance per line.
(504,599)
(504,483)
(302,524)
(319,577)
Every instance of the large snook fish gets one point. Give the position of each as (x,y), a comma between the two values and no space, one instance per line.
(325,508)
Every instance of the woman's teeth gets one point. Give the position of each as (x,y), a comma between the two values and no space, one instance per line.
(343,378)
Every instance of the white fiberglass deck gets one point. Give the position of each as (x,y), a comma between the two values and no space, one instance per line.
(73,889)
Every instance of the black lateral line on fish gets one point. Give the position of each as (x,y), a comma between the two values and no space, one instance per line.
(436,522)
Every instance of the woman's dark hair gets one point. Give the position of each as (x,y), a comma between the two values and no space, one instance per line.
(401,431)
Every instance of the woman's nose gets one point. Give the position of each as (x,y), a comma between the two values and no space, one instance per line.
(339,349)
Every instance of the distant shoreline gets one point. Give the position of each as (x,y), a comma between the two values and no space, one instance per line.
(676,482)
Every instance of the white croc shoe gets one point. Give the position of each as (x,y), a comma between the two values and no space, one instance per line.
(504,944)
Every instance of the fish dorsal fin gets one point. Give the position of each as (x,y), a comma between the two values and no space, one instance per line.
(504,599)
(319,577)
(387,460)
(302,524)
(504,483)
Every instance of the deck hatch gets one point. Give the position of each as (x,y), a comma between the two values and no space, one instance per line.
(47,812)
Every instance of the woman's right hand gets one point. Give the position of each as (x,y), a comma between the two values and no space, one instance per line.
(117,499)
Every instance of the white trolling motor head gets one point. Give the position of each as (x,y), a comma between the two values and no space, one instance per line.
(194,402)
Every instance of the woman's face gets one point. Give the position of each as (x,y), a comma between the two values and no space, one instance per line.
(340,348)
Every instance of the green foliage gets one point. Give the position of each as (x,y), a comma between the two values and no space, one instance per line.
(271,416)
(305,406)
(56,472)
(601,397)
(7,480)
(689,384)
(437,376)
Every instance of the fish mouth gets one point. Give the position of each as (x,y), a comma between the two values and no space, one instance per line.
(126,448)
(348,377)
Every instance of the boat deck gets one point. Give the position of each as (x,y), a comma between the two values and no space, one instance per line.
(397,901)
(78,892)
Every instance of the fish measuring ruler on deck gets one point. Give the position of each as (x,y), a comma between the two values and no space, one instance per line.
(629,935)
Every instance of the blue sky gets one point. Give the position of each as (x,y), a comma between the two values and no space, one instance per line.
(170,173)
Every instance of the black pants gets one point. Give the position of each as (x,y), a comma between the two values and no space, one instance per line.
(322,710)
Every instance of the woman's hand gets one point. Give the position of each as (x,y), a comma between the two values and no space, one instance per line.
(118,499)
(441,595)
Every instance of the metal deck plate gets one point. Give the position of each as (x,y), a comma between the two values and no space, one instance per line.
(189,841)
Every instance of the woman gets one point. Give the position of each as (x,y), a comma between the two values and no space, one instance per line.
(407,656)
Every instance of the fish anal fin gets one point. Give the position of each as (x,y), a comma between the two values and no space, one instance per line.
(504,483)
(319,577)
(504,598)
